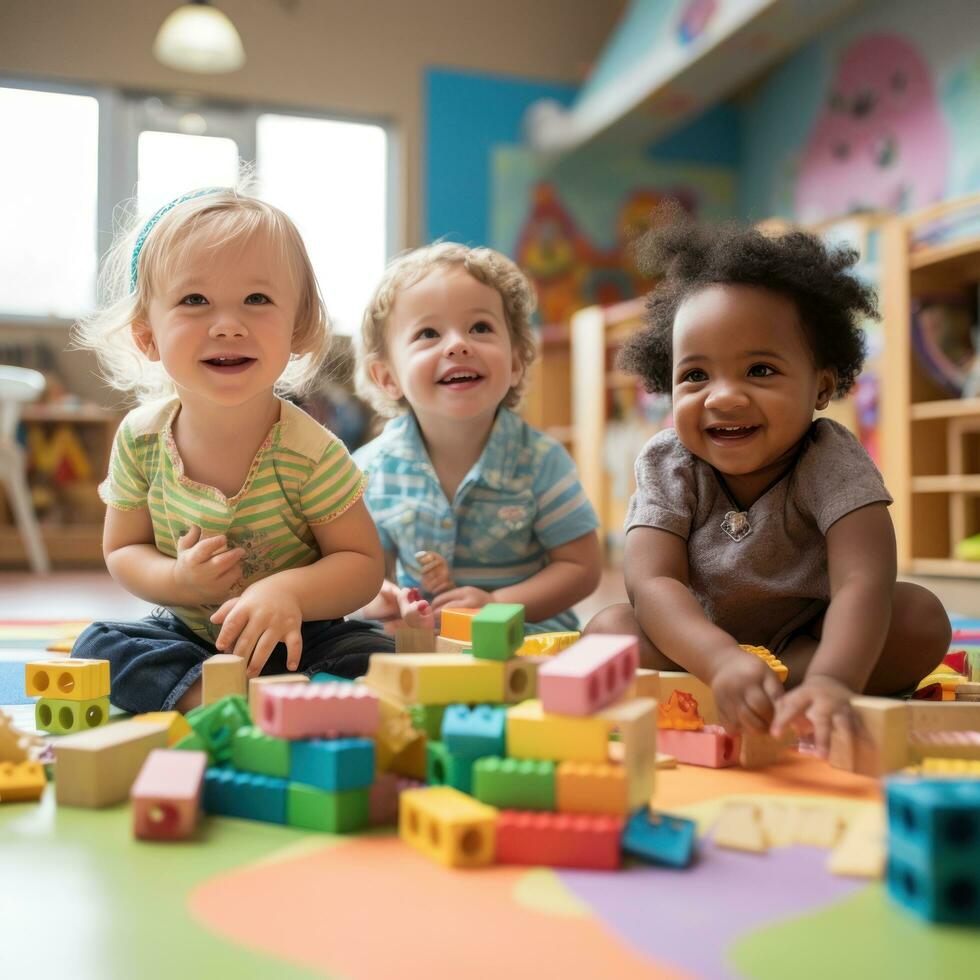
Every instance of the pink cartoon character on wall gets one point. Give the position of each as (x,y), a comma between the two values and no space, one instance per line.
(881,142)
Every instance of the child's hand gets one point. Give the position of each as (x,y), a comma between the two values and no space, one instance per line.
(746,691)
(435,572)
(204,568)
(466,597)
(254,622)
(819,705)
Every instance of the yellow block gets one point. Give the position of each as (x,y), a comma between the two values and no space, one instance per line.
(70,680)
(533,734)
(21,781)
(958,768)
(437,678)
(457,624)
(547,644)
(177,726)
(592,787)
(448,826)
(636,722)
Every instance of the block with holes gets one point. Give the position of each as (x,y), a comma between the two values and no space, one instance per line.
(474,732)
(660,838)
(448,826)
(214,725)
(71,680)
(254,751)
(257,684)
(589,675)
(521,678)
(332,764)
(63,717)
(712,747)
(437,678)
(517,784)
(317,710)
(497,631)
(456,623)
(594,787)
(559,840)
(532,733)
(445,768)
(21,781)
(166,796)
(222,675)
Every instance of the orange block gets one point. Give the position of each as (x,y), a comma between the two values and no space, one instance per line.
(584,787)
(680,711)
(457,623)
(21,781)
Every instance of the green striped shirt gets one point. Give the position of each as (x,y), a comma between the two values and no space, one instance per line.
(301,475)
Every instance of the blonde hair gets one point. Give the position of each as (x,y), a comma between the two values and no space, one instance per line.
(222,216)
(483,264)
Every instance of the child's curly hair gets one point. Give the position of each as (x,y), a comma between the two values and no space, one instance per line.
(830,300)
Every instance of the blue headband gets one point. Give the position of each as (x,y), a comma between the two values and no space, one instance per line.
(152,223)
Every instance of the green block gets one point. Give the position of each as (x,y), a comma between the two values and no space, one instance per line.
(498,631)
(62,717)
(191,743)
(516,784)
(334,813)
(427,718)
(442,768)
(254,751)
(216,723)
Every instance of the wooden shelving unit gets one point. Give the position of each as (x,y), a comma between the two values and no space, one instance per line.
(548,399)
(931,449)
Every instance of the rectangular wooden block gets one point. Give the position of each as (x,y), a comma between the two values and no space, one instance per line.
(592,787)
(257,684)
(456,623)
(167,794)
(98,768)
(521,678)
(712,746)
(534,734)
(882,744)
(223,674)
(559,840)
(437,678)
(758,751)
(300,711)
(21,781)
(679,680)
(645,684)
(943,716)
(945,745)
(636,724)
(448,826)
(588,675)
(67,679)
(411,639)
(446,644)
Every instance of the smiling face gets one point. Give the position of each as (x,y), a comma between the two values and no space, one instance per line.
(745,385)
(449,350)
(221,321)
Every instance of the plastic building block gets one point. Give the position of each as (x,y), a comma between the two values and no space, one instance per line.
(428,718)
(474,732)
(547,644)
(521,678)
(395,729)
(593,787)
(322,677)
(332,812)
(383,796)
(21,781)
(214,725)
(881,746)
(589,675)
(456,623)
(167,794)
(223,675)
(257,684)
(317,710)
(68,680)
(14,744)
(61,717)
(245,794)
(712,747)
(519,784)
(635,723)
(412,639)
(335,765)
(957,660)
(448,826)
(680,712)
(860,853)
(559,840)
(437,678)
(739,827)
(936,716)
(97,768)
(945,745)
(773,663)
(660,838)
(958,768)
(533,734)
(177,727)
(412,761)
(443,768)
(934,848)
(190,743)
(254,751)
(497,631)
(678,680)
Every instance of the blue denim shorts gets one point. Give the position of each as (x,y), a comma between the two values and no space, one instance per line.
(152,662)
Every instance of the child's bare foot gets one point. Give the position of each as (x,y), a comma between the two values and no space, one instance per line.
(414,610)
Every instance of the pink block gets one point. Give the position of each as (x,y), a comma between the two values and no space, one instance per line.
(385,792)
(590,674)
(318,710)
(712,746)
(167,794)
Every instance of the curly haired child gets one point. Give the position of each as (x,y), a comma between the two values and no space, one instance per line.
(752,523)
(227,505)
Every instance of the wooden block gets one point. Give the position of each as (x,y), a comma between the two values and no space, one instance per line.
(448,826)
(437,678)
(945,745)
(780,823)
(739,827)
(636,723)
(943,716)
(67,680)
(167,794)
(712,747)
(257,684)
(302,711)
(547,644)
(860,853)
(559,840)
(533,734)
(223,674)
(21,781)
(589,675)
(665,761)
(446,645)
(592,787)
(414,639)
(177,726)
(521,678)
(882,744)
(410,761)
(645,684)
(758,751)
(679,680)
(97,768)
(819,826)
(455,623)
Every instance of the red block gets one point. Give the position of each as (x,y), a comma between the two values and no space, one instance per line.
(559,840)
(712,746)
(167,794)
(318,710)
(957,660)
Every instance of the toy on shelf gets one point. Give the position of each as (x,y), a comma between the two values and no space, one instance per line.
(73,694)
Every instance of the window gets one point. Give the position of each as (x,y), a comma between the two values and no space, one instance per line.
(170,164)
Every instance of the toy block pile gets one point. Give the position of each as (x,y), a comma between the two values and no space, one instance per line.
(73,694)
(21,774)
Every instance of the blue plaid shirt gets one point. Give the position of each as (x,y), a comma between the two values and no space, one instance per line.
(521,498)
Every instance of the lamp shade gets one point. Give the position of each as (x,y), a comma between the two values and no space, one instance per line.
(196,37)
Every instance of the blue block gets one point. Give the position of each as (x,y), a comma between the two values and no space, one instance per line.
(334,764)
(245,794)
(660,838)
(474,732)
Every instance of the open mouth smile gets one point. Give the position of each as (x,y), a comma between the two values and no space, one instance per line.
(228,364)
(731,433)
(460,379)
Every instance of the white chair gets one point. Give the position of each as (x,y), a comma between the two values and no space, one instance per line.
(19,386)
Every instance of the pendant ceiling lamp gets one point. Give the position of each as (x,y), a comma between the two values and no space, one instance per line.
(197,37)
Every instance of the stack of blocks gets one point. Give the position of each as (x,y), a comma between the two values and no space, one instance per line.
(74,694)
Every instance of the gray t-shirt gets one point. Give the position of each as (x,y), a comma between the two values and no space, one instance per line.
(771,582)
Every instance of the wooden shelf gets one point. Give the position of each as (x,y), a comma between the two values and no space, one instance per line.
(951,408)
(67,544)
(929,255)
(949,567)
(950,483)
